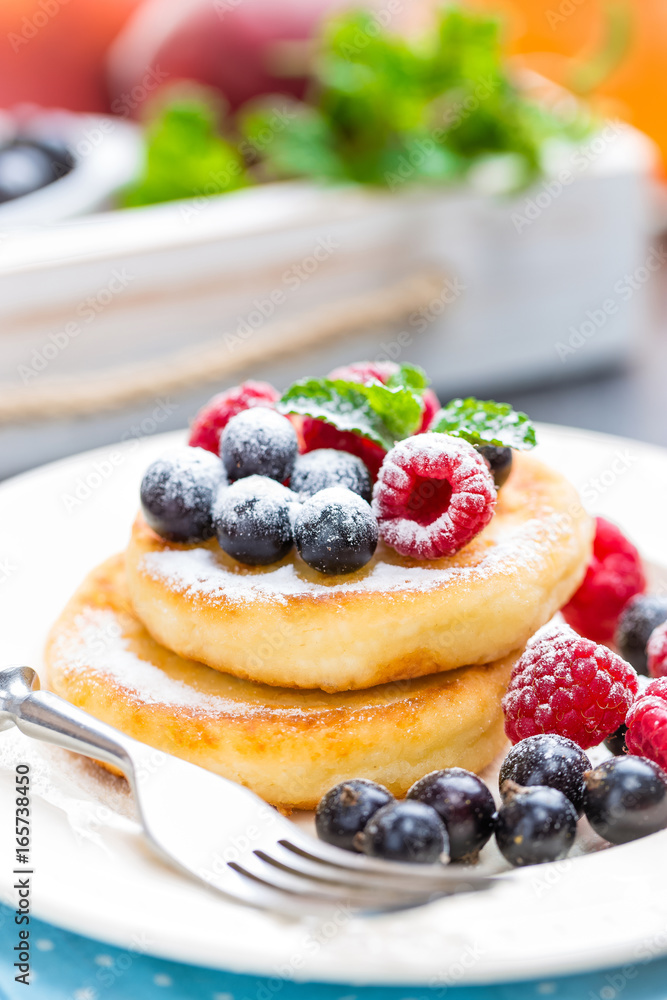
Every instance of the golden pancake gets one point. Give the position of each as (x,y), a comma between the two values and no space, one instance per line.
(396,619)
(289,746)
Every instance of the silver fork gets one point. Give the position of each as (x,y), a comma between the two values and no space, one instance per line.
(222,833)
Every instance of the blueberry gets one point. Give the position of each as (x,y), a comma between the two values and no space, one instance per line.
(465,805)
(547,759)
(404,831)
(346,809)
(639,617)
(318,470)
(626,798)
(336,531)
(534,825)
(258,442)
(500,462)
(253,520)
(177,494)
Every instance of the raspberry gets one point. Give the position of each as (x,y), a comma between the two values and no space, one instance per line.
(647,723)
(614,575)
(215,415)
(431,407)
(568,685)
(656,651)
(365,371)
(433,494)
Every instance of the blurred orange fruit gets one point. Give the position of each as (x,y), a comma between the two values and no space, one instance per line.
(614,49)
(53,51)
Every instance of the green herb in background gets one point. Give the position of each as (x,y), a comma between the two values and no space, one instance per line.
(186,157)
(388,110)
(382,110)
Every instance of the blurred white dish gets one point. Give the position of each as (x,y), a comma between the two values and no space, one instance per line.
(107,153)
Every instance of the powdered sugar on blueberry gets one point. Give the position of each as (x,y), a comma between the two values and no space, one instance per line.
(178,491)
(326,467)
(201,574)
(259,441)
(253,520)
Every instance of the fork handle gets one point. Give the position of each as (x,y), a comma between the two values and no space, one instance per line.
(44,716)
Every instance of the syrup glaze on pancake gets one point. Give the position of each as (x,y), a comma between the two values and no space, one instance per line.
(289,746)
(396,619)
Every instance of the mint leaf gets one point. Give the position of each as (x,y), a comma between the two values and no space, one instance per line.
(388,108)
(186,157)
(409,377)
(293,137)
(381,413)
(399,407)
(486,422)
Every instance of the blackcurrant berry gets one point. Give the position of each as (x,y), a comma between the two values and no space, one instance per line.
(626,798)
(639,617)
(346,809)
(25,167)
(499,460)
(616,742)
(465,805)
(325,467)
(534,825)
(404,831)
(548,759)
(253,520)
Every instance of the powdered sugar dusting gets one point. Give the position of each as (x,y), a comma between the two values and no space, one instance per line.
(326,467)
(199,573)
(186,475)
(96,643)
(252,501)
(259,440)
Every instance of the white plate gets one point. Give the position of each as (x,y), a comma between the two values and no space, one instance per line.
(93,875)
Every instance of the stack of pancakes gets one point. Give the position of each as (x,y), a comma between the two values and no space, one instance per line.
(289,681)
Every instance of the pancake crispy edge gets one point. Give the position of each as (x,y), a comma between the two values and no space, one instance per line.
(287,745)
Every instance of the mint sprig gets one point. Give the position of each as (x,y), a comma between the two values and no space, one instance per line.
(186,157)
(382,413)
(388,108)
(409,377)
(486,422)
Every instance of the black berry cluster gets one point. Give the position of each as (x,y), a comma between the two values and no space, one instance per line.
(546,784)
(241,497)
